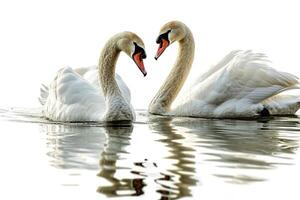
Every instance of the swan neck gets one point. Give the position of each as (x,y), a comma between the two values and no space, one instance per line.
(117,107)
(163,100)
(107,67)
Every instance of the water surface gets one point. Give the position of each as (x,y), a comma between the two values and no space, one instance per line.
(154,158)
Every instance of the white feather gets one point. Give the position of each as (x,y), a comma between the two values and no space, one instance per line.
(75,95)
(241,85)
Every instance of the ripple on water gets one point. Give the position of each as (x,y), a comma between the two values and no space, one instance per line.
(165,157)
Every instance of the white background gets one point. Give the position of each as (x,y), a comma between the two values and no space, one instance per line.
(39,37)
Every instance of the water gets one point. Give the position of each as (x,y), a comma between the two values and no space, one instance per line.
(154,158)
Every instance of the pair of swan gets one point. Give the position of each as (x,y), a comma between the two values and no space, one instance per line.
(242,85)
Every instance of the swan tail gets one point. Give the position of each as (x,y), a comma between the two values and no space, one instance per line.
(44,92)
(294,87)
(283,104)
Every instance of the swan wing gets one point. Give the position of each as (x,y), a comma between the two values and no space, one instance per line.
(82,71)
(124,88)
(72,98)
(218,66)
(91,74)
(238,88)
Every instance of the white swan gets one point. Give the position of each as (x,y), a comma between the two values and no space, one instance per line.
(94,93)
(241,85)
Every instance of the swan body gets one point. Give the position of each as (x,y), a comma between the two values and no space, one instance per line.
(242,85)
(94,93)
(73,97)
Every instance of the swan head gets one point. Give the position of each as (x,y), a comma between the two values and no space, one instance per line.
(134,47)
(169,33)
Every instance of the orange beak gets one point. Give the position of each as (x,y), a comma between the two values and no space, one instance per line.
(162,47)
(139,62)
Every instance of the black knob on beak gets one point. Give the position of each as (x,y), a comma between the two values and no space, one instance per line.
(158,40)
(163,36)
(144,56)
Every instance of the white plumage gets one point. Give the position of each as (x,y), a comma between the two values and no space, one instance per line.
(95,93)
(75,95)
(241,85)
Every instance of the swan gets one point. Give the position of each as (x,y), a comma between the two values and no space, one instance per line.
(242,85)
(94,93)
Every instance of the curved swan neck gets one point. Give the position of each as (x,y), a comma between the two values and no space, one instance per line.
(162,101)
(107,66)
(117,107)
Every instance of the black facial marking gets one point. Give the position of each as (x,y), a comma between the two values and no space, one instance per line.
(138,49)
(163,36)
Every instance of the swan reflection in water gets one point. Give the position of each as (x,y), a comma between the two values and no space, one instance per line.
(78,147)
(74,145)
(172,181)
(166,158)
(236,150)
(116,150)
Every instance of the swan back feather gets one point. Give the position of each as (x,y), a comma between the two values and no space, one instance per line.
(237,88)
